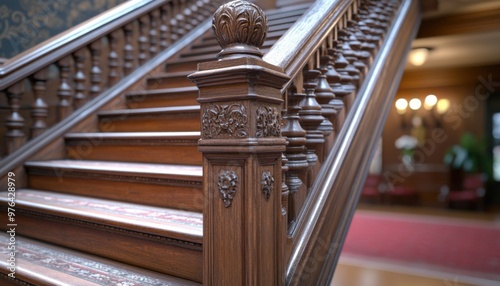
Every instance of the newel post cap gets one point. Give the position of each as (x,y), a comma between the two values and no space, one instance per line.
(240,28)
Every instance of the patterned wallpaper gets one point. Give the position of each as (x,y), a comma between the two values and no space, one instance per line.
(26,23)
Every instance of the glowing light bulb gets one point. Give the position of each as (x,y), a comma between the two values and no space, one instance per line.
(443,105)
(415,103)
(401,105)
(430,101)
(418,56)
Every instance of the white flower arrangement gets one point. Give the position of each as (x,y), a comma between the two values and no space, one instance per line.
(406,142)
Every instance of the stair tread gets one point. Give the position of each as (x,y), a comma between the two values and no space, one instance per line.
(160,221)
(195,172)
(41,262)
(150,110)
(134,135)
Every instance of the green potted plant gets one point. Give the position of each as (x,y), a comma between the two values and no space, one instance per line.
(468,157)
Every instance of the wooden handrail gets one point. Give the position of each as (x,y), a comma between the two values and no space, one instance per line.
(71,40)
(308,33)
(333,197)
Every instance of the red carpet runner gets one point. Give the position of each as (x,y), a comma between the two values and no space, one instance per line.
(470,247)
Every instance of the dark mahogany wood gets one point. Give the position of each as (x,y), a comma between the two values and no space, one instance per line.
(39,109)
(242,148)
(95,70)
(81,87)
(114,74)
(65,91)
(295,152)
(15,123)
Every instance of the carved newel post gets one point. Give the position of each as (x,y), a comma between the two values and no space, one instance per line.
(242,147)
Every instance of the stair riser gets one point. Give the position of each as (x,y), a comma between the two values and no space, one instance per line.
(168,82)
(178,195)
(170,154)
(157,100)
(151,252)
(164,123)
(184,66)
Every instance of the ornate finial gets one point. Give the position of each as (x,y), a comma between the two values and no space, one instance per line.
(240,28)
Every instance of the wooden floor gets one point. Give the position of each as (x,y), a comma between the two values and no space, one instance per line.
(356,271)
(360,271)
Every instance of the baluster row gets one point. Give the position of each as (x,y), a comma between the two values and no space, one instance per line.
(329,81)
(87,72)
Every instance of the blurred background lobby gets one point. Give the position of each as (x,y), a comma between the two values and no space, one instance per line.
(429,213)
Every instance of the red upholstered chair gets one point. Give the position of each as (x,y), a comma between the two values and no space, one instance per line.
(371,189)
(471,195)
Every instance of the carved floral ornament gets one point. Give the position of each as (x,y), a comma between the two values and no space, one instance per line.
(267,183)
(240,27)
(227,183)
(268,122)
(230,119)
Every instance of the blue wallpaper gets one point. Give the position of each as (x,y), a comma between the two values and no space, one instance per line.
(26,23)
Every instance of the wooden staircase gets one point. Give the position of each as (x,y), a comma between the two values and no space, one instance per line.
(125,204)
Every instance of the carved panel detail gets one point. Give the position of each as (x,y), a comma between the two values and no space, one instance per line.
(227,184)
(228,119)
(268,122)
(267,183)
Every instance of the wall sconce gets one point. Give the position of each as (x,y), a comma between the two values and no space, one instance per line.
(430,103)
(418,56)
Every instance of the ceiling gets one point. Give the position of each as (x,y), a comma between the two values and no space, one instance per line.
(459,33)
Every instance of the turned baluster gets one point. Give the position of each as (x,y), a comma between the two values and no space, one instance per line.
(113,60)
(197,16)
(129,62)
(367,43)
(39,109)
(354,46)
(324,94)
(187,15)
(202,5)
(181,19)
(153,32)
(143,39)
(80,81)
(285,191)
(310,119)
(164,28)
(334,78)
(363,51)
(348,88)
(295,152)
(173,22)
(95,70)
(15,123)
(350,56)
(64,92)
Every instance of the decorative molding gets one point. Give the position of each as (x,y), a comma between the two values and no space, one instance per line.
(230,119)
(267,183)
(227,184)
(268,122)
